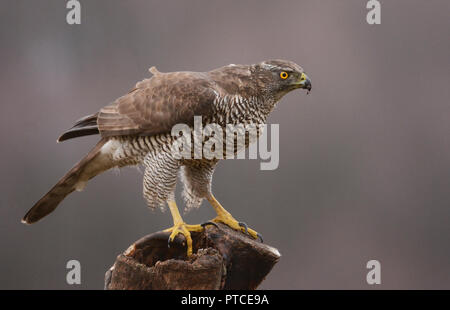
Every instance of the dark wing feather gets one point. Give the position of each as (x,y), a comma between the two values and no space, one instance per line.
(87,121)
(83,127)
(157,104)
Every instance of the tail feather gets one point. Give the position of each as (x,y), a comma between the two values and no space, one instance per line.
(84,170)
(83,127)
(78,132)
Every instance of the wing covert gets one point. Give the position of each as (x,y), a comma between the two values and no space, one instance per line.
(157,104)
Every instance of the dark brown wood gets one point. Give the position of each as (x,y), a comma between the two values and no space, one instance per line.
(222,259)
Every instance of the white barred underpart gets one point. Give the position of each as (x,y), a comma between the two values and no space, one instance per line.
(161,168)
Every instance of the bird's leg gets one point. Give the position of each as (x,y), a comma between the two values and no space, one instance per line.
(180,227)
(225,217)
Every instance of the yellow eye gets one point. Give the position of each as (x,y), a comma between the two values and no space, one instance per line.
(284,75)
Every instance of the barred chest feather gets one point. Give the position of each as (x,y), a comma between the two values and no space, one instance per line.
(237,109)
(131,150)
(229,109)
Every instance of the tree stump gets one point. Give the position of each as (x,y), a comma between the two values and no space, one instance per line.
(223,259)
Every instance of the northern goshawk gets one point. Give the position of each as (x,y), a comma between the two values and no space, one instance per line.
(136,129)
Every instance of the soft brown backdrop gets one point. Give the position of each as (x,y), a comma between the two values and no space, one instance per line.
(364,160)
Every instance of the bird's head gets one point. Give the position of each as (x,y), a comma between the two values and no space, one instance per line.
(278,77)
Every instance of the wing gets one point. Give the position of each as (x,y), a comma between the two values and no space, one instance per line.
(157,104)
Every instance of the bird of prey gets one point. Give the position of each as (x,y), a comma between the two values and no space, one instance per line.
(136,129)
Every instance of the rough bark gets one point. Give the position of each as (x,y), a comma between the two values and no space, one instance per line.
(222,259)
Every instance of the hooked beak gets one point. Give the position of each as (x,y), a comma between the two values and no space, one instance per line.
(304,82)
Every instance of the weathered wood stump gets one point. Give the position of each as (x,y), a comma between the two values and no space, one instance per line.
(222,259)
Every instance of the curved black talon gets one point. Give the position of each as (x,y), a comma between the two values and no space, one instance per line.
(168,241)
(209,223)
(260,237)
(242,224)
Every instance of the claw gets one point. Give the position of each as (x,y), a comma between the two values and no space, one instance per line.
(209,223)
(170,240)
(242,224)
(260,237)
(239,226)
(185,230)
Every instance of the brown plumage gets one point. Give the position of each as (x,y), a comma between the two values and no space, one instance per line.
(152,107)
(158,103)
(136,129)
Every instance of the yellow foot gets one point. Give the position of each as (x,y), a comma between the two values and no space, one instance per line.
(185,230)
(229,220)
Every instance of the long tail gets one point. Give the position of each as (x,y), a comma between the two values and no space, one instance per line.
(92,164)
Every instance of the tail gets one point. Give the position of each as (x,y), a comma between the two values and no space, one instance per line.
(91,165)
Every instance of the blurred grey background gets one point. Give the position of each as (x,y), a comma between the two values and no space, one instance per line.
(364,159)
